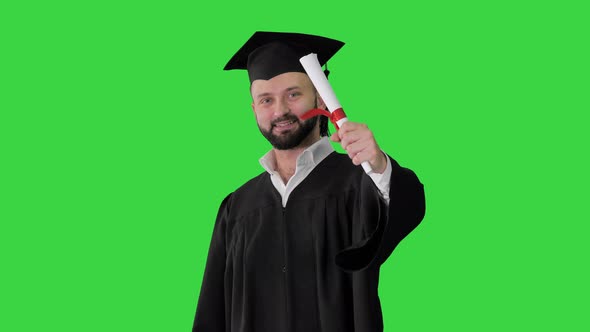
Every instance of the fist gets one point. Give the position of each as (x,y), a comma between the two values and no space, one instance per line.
(358,141)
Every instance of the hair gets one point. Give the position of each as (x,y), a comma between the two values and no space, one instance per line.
(324,129)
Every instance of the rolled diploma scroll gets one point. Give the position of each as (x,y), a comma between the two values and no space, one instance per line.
(314,70)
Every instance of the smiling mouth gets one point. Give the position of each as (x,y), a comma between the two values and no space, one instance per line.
(284,123)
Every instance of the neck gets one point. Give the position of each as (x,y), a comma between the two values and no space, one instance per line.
(287,159)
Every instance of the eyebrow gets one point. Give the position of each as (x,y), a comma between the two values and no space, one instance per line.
(266,94)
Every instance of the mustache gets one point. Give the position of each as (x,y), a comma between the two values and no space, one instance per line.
(285,118)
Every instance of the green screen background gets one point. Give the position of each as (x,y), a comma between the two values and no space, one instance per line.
(120,135)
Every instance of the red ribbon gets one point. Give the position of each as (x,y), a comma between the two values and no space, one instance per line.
(334,117)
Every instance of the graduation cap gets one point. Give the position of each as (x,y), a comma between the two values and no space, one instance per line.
(268,54)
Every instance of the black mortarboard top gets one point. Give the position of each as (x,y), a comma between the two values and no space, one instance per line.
(268,54)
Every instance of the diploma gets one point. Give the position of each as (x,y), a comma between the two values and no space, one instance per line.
(314,70)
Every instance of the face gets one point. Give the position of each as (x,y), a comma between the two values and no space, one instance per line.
(279,102)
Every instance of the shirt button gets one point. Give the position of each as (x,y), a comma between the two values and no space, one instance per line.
(284,269)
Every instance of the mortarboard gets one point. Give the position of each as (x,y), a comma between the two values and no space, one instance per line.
(268,54)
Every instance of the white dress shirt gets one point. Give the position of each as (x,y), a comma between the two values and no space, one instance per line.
(307,161)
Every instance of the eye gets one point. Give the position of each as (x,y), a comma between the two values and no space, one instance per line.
(294,94)
(265,101)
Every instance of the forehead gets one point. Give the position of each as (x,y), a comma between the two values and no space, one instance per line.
(280,83)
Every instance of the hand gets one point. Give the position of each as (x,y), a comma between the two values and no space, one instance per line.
(359,143)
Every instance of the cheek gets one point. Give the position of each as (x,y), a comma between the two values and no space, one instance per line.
(261,117)
(301,106)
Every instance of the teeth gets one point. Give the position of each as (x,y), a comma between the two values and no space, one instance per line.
(282,124)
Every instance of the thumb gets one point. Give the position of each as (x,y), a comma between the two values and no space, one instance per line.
(335,137)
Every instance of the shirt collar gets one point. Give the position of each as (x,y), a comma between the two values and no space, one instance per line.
(313,155)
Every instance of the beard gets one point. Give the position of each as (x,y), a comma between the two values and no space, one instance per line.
(292,138)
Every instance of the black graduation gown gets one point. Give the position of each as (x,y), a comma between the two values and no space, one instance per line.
(313,265)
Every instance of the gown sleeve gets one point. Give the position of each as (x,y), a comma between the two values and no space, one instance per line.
(378,228)
(210,315)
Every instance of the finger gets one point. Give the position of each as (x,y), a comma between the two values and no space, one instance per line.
(377,159)
(348,127)
(354,136)
(355,148)
(335,137)
(359,146)
(365,144)
(348,139)
(369,155)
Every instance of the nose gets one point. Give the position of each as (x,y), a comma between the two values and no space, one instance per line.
(281,108)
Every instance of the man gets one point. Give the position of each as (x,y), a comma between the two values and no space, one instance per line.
(299,247)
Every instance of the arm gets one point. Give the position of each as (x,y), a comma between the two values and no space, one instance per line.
(360,144)
(384,223)
(210,315)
